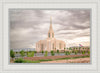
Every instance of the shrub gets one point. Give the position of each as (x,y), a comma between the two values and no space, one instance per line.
(46,53)
(12,54)
(88,52)
(22,53)
(52,53)
(42,52)
(30,54)
(72,51)
(58,51)
(16,52)
(19,60)
(83,52)
(67,53)
(75,52)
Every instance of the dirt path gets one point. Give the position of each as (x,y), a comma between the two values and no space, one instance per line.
(79,60)
(53,57)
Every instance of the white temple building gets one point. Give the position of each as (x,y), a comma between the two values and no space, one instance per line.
(50,43)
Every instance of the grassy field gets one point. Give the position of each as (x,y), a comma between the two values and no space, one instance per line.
(20,60)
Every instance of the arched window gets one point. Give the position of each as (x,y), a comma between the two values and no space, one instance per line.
(53,46)
(41,46)
(49,34)
(52,35)
(59,45)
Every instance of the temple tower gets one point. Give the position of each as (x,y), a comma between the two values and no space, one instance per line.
(50,32)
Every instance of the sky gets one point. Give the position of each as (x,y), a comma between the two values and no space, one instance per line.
(28,26)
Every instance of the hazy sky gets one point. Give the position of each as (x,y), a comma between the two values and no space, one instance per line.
(28,26)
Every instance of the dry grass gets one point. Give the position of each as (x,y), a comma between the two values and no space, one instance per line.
(79,60)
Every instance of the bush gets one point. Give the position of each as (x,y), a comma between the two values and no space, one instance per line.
(67,53)
(75,52)
(83,52)
(46,53)
(88,52)
(58,51)
(12,54)
(42,52)
(22,53)
(19,60)
(35,51)
(52,53)
(30,54)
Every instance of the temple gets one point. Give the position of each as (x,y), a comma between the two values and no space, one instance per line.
(50,43)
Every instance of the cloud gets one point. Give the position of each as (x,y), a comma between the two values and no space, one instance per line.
(27,26)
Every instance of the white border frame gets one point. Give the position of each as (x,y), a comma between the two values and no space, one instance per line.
(67,67)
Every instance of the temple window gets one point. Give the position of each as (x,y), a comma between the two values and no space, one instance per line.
(52,35)
(49,34)
(53,45)
(41,46)
(59,45)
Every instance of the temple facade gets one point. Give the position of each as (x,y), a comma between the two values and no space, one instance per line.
(50,43)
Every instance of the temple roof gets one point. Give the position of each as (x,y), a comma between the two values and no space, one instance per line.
(50,29)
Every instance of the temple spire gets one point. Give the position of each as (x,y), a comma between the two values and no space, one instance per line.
(51,32)
(50,20)
(50,23)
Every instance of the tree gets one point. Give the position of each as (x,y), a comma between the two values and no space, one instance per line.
(88,52)
(46,53)
(58,51)
(52,53)
(32,54)
(12,54)
(83,52)
(42,51)
(67,53)
(22,53)
(76,52)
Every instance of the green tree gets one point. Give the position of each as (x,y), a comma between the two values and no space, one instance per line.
(46,53)
(22,53)
(83,52)
(42,51)
(32,54)
(72,51)
(58,51)
(67,53)
(12,54)
(76,52)
(88,52)
(16,52)
(52,53)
